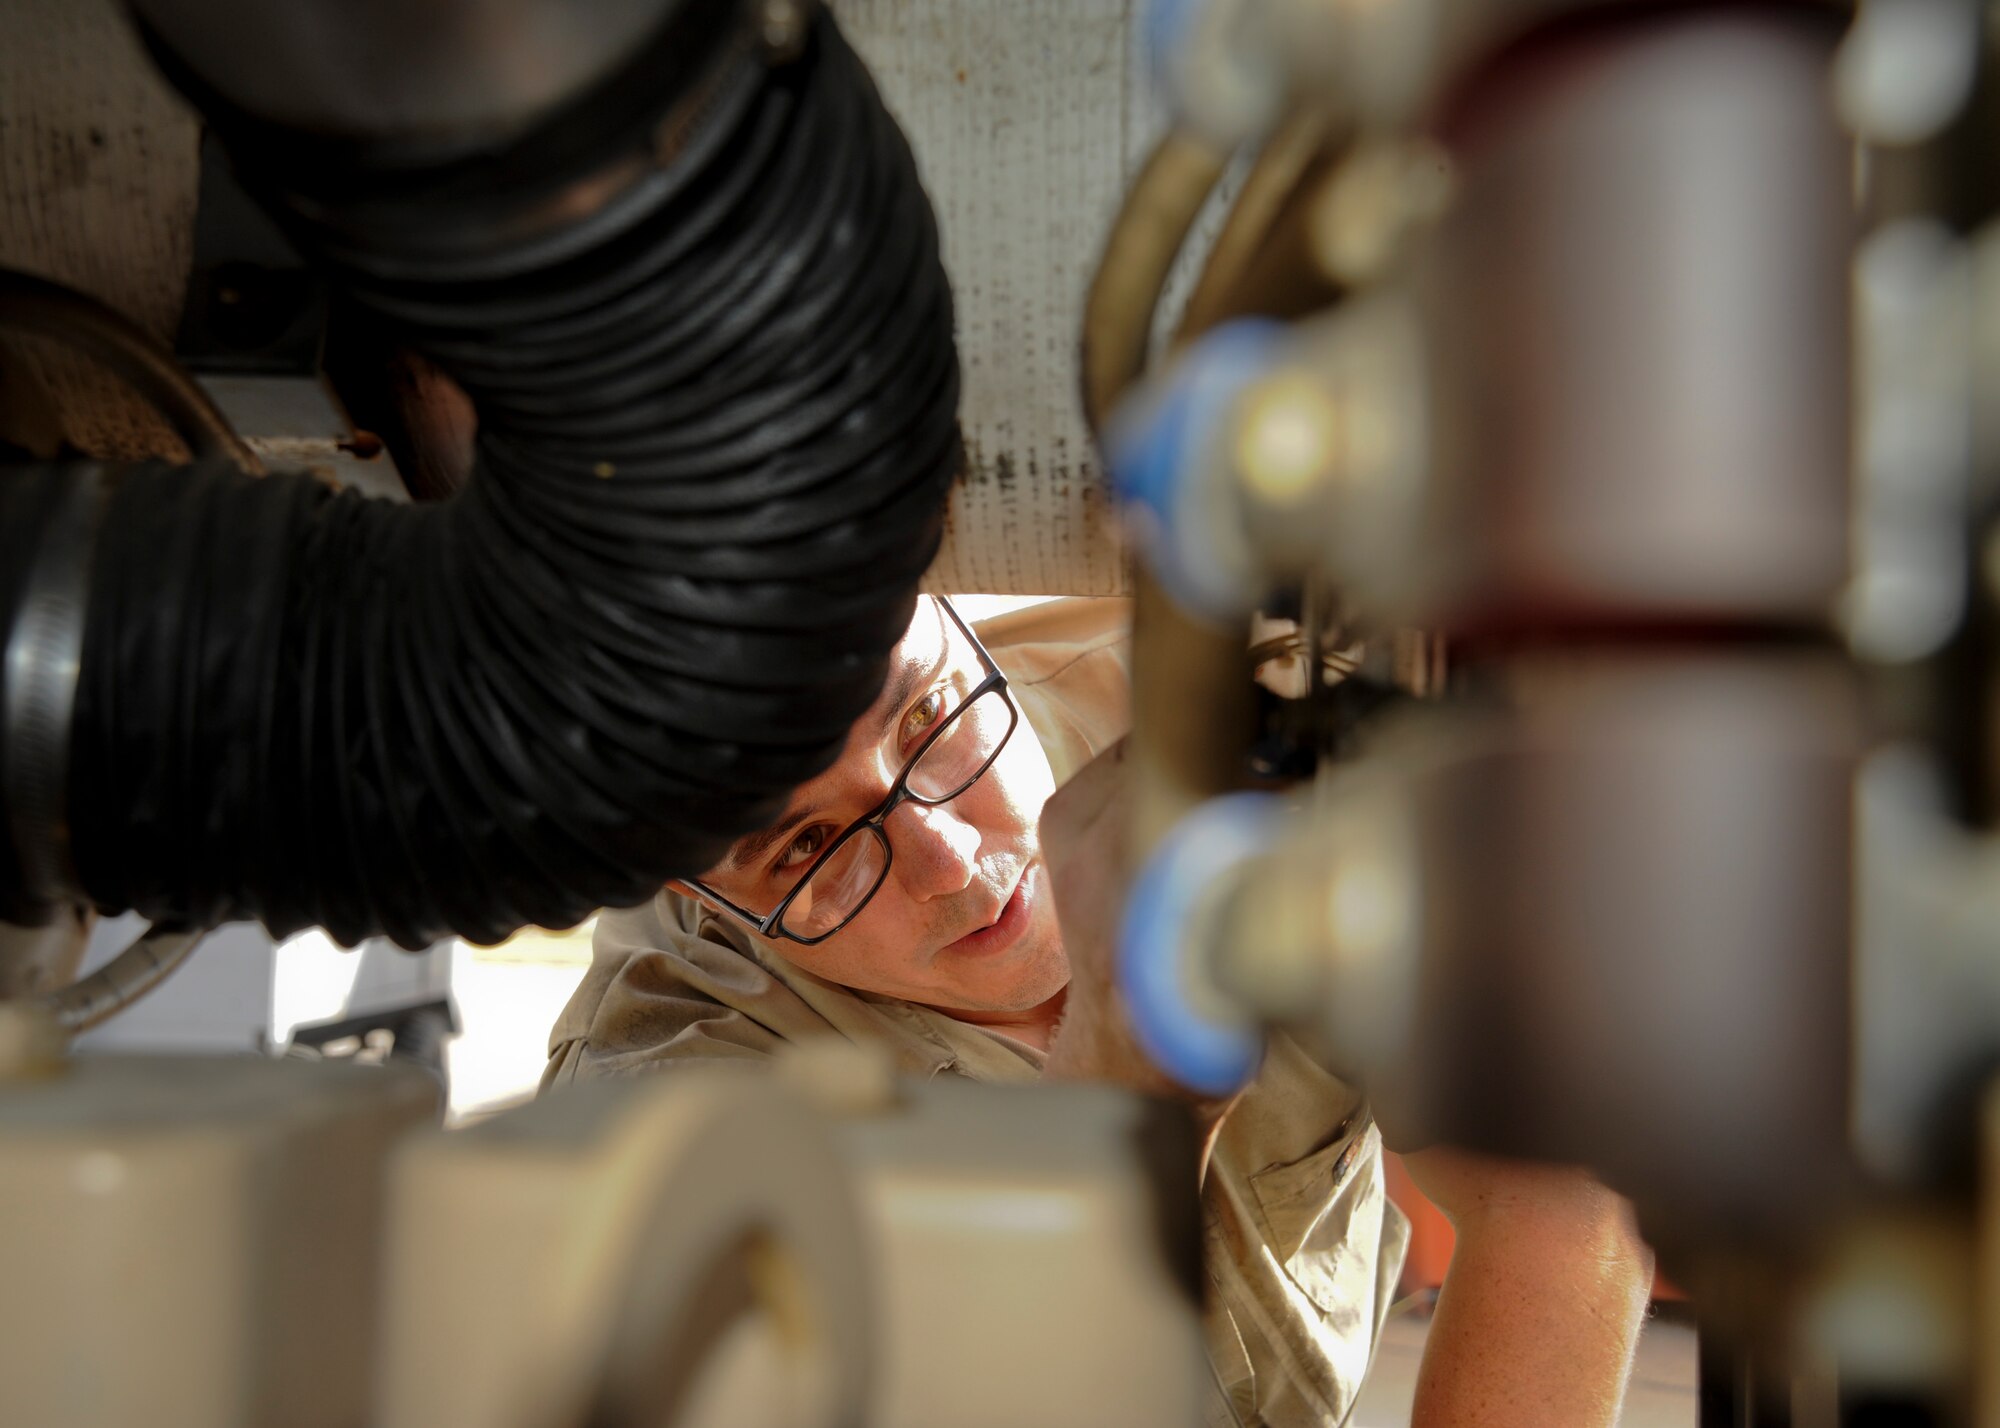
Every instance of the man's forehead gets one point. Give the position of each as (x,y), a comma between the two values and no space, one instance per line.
(915,654)
(921,650)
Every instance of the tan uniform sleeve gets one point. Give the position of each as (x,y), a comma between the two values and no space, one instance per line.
(671,982)
(664,986)
(1303,1248)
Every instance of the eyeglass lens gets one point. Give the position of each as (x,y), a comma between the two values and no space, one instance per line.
(955,758)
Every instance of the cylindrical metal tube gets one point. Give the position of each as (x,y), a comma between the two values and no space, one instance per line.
(1634,944)
(122,981)
(1638,313)
(40,661)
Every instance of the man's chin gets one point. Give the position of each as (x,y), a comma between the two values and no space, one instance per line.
(1034,985)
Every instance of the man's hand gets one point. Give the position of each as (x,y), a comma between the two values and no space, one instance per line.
(1540,1312)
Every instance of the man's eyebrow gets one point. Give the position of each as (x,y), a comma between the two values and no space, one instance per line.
(915,672)
(751,849)
(902,689)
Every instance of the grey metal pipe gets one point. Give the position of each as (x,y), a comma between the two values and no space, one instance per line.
(121,981)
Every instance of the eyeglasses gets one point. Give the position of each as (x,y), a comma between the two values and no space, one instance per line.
(953,757)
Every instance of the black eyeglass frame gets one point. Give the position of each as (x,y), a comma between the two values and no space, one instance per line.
(871,822)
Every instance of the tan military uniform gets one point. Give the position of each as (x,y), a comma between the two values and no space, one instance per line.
(1303,1246)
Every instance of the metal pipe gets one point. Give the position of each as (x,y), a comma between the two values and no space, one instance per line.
(122,981)
(1152,223)
(36,307)
(1288,156)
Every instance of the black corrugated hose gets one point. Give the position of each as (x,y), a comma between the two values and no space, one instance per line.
(717,427)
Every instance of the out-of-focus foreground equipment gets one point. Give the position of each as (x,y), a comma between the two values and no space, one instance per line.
(560,414)
(831,1249)
(1645,356)
(1595,387)
(219,1241)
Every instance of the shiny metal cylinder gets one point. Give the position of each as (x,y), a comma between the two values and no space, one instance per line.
(1638,320)
(41,661)
(193,1241)
(1609,924)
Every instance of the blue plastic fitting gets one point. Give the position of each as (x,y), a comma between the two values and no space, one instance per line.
(1183,1022)
(1165,26)
(1162,443)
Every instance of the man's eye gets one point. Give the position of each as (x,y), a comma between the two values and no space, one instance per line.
(802,848)
(924,714)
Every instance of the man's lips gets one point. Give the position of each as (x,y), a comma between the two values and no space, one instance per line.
(1007,927)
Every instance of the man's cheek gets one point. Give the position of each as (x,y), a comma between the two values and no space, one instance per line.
(1009,806)
(893,939)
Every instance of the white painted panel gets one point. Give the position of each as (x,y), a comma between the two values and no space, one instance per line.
(1027,117)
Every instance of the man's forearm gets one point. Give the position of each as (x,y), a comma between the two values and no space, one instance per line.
(1539,1316)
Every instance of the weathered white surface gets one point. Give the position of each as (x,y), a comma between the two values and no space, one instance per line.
(99,163)
(1027,116)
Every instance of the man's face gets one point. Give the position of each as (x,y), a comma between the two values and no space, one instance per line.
(964,920)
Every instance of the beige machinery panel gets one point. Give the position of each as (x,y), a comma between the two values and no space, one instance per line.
(191,1242)
(645,1251)
(1013,1228)
(707,1247)
(239,1242)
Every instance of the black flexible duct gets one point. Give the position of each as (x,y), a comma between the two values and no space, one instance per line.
(717,427)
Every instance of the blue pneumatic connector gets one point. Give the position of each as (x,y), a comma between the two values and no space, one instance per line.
(1167,27)
(1220,66)
(1190,1028)
(1167,447)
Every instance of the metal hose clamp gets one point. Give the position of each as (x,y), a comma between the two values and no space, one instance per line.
(44,660)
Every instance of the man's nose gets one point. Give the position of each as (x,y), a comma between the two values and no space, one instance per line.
(936,850)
